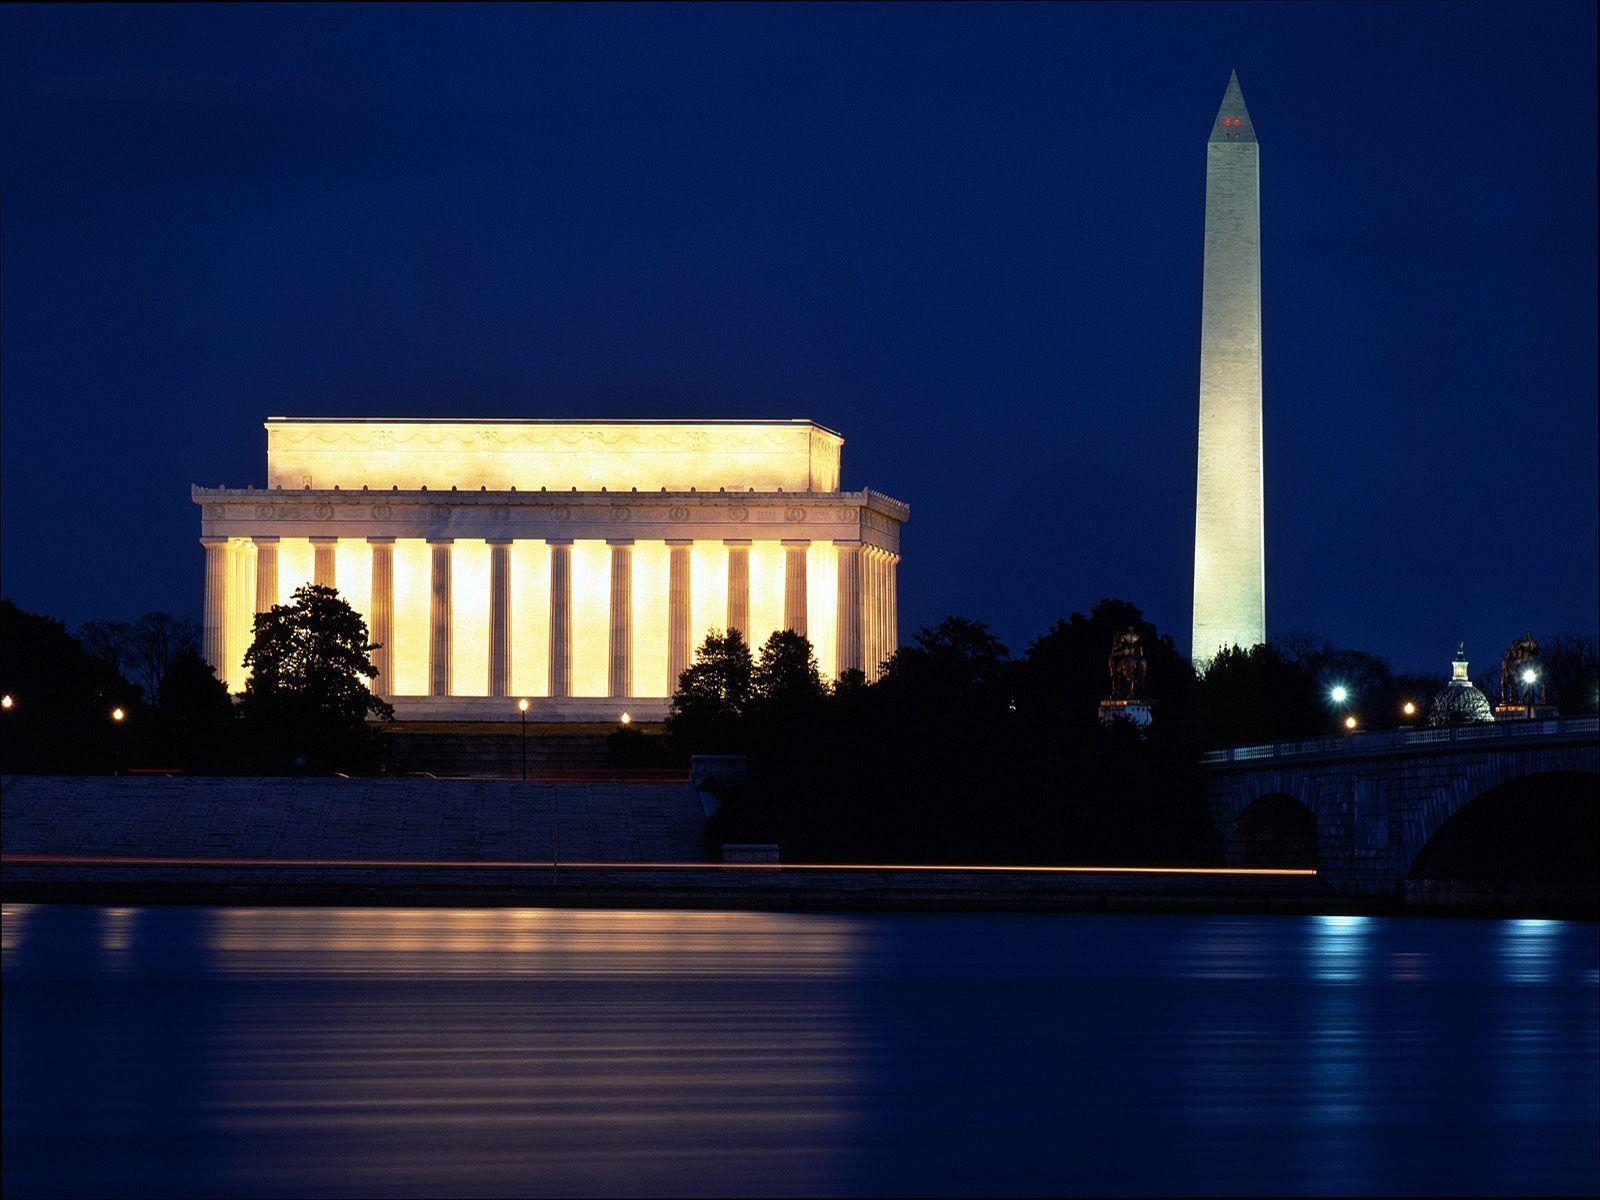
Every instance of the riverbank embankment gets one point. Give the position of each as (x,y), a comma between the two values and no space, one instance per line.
(597,843)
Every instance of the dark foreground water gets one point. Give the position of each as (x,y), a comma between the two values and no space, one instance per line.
(497,1052)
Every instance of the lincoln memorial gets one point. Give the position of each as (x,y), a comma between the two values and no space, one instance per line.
(577,565)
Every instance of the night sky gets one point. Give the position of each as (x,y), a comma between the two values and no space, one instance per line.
(968,238)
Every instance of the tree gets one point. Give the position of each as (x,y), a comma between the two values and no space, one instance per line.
(933,770)
(143,650)
(306,704)
(106,643)
(195,719)
(852,681)
(1374,694)
(958,657)
(785,728)
(1572,672)
(62,698)
(1255,695)
(786,675)
(156,643)
(1419,689)
(1063,677)
(713,694)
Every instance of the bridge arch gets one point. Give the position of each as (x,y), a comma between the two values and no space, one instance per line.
(1380,798)
(1480,776)
(1268,789)
(1532,825)
(1275,830)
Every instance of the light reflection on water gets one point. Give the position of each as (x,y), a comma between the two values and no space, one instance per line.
(513,1051)
(508,941)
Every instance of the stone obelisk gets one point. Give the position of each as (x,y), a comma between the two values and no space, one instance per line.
(1230,602)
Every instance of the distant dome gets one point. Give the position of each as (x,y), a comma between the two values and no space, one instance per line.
(1459,702)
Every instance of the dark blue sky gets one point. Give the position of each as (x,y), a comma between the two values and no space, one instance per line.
(968,238)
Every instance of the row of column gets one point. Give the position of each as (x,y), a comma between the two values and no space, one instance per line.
(866,613)
(878,609)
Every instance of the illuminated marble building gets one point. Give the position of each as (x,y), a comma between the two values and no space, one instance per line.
(578,565)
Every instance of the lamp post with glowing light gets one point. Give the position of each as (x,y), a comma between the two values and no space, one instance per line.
(522,708)
(624,723)
(117,718)
(1340,695)
(1529,678)
(1408,709)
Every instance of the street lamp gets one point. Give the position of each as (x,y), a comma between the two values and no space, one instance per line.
(7,703)
(1409,709)
(1529,678)
(117,717)
(522,707)
(1350,724)
(626,719)
(1338,694)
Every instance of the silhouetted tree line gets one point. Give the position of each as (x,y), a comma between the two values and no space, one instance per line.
(959,752)
(963,752)
(304,710)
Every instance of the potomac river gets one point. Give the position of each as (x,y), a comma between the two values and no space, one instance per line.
(504,1051)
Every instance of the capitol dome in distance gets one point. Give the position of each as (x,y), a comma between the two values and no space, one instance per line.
(1459,702)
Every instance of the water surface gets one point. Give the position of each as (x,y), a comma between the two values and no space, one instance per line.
(488,1052)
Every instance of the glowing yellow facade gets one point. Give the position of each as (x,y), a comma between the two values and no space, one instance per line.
(576,564)
(676,456)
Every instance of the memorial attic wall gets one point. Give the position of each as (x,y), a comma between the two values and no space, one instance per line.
(764,456)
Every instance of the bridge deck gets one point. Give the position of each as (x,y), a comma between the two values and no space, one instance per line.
(1411,742)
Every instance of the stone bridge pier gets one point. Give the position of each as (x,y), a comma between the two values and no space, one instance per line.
(1375,800)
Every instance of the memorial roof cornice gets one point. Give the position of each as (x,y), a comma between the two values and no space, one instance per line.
(865,498)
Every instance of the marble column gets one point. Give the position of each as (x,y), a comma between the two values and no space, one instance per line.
(324,572)
(439,613)
(215,625)
(621,677)
(499,616)
(879,632)
(880,594)
(894,603)
(847,629)
(794,584)
(869,622)
(266,573)
(679,647)
(382,631)
(561,617)
(739,585)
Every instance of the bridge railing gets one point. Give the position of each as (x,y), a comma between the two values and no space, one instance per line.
(1377,743)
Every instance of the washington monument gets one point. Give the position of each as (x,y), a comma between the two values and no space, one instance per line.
(1230,601)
